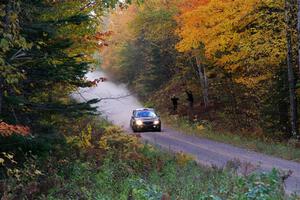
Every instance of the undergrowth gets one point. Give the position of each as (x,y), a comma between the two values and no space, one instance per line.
(101,162)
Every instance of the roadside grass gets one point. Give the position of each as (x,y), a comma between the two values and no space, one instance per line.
(159,177)
(283,150)
(110,165)
(165,179)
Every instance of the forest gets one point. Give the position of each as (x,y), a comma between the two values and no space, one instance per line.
(241,64)
(239,58)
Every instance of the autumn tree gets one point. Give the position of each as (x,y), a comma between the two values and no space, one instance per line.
(45,52)
(244,38)
(231,54)
(121,35)
(145,41)
(298,30)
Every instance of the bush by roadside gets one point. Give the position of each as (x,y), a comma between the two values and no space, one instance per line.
(101,162)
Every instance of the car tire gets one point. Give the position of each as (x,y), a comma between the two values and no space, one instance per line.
(134,129)
(158,129)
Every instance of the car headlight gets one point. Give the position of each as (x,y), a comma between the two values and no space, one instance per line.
(156,122)
(139,122)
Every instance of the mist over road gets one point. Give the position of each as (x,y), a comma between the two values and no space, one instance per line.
(205,151)
(117,110)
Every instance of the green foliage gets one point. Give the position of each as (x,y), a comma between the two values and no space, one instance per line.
(44,56)
(20,182)
(126,169)
(45,52)
(144,191)
(117,180)
(146,60)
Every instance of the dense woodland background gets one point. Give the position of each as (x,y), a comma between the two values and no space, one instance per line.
(233,55)
(239,58)
(45,54)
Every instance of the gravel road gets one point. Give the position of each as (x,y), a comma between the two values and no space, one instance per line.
(205,151)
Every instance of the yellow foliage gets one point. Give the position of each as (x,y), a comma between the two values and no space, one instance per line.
(200,127)
(182,159)
(115,139)
(112,130)
(1,161)
(86,137)
(242,36)
(82,141)
(252,81)
(7,157)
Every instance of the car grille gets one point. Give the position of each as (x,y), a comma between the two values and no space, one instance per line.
(148,123)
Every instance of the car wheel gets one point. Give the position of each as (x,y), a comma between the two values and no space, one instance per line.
(158,129)
(134,129)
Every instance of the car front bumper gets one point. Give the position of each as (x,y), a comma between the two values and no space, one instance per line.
(149,126)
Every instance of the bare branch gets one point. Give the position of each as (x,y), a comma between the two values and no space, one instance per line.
(18,54)
(105,98)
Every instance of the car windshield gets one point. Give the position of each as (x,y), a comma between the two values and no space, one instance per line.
(145,114)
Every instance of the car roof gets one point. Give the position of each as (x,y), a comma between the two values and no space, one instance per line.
(143,109)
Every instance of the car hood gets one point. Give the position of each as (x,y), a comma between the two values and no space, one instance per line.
(147,118)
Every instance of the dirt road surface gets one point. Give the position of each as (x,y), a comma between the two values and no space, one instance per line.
(118,109)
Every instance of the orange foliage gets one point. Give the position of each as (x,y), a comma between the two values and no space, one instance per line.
(8,130)
(241,36)
(189,5)
(119,24)
(100,38)
(96,81)
(102,35)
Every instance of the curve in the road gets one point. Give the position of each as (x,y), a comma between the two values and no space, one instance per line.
(209,153)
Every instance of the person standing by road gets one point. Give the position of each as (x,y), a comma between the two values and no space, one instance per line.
(174,100)
(190,98)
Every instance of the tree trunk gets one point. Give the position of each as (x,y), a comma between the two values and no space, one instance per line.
(291,77)
(203,81)
(1,96)
(298,30)
(206,102)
